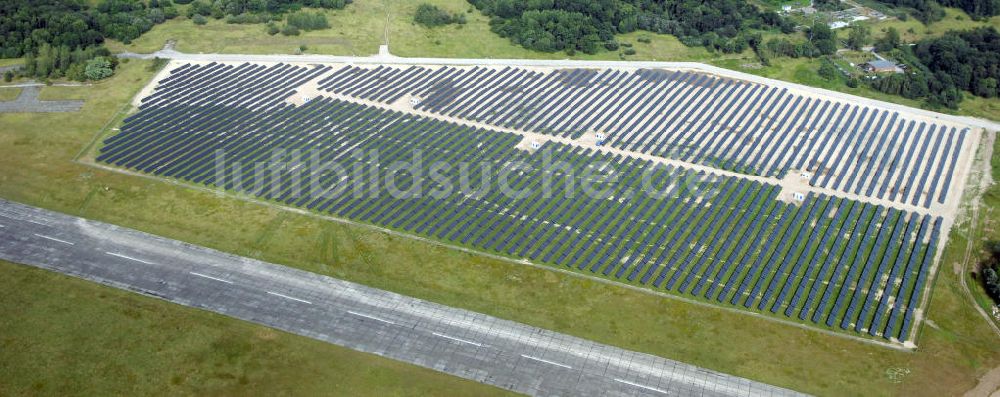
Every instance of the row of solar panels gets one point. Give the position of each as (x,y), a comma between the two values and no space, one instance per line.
(690,116)
(679,242)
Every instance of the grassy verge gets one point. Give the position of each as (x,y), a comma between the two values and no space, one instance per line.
(10,61)
(36,168)
(356,30)
(9,94)
(64,336)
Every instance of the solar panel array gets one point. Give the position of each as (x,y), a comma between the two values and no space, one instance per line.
(729,124)
(830,261)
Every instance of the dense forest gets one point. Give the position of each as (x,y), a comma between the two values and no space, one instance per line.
(942,67)
(25,25)
(587,25)
(63,38)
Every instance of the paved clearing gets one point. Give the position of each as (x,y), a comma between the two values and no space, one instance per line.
(503,353)
(28,102)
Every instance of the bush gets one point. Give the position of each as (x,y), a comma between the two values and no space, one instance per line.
(431,16)
(629,51)
(98,68)
(76,72)
(273,29)
(828,70)
(199,20)
(248,18)
(156,15)
(307,20)
(303,47)
(611,45)
(170,12)
(644,39)
(199,7)
(853,82)
(157,64)
(8,76)
(290,30)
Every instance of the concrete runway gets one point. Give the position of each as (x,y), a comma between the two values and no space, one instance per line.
(470,345)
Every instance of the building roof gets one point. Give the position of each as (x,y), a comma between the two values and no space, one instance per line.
(882,64)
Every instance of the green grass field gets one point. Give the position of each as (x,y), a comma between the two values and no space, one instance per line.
(65,336)
(37,168)
(356,30)
(913,30)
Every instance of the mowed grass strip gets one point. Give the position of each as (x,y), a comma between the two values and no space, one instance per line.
(66,336)
(9,94)
(36,168)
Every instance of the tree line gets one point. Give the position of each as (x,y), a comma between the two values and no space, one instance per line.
(941,68)
(63,38)
(430,16)
(589,25)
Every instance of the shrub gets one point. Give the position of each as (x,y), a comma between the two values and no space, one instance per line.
(431,16)
(199,20)
(8,76)
(307,20)
(629,51)
(273,29)
(98,68)
(644,39)
(199,7)
(827,70)
(290,30)
(611,45)
(76,72)
(246,18)
(157,64)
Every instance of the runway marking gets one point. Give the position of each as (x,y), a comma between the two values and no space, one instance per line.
(641,386)
(370,317)
(458,339)
(289,297)
(129,258)
(37,222)
(546,361)
(53,239)
(210,277)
